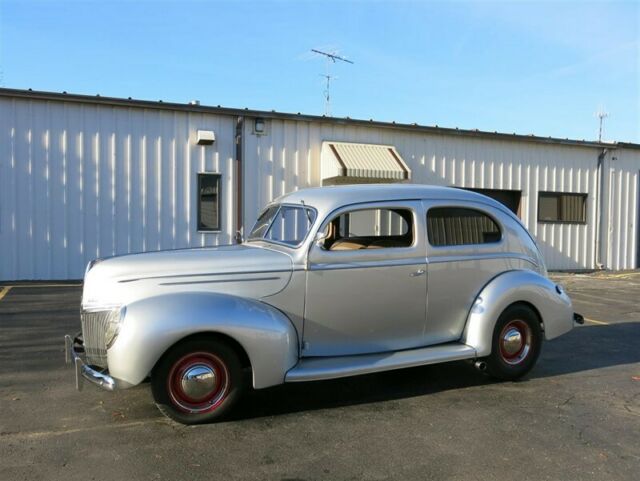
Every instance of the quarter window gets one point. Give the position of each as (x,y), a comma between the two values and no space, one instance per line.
(208,202)
(456,226)
(370,229)
(562,207)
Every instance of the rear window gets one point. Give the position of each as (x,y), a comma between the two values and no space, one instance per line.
(457,226)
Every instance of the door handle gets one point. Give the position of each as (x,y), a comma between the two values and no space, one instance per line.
(417,273)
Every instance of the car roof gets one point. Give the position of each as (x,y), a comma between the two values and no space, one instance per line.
(327,199)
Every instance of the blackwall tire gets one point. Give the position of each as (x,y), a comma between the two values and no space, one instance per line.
(198,381)
(516,343)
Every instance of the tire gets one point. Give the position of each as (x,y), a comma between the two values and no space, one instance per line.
(516,343)
(216,385)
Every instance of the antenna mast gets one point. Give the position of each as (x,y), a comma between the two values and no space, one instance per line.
(601,116)
(331,58)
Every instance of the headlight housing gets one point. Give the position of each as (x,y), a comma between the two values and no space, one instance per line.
(113,326)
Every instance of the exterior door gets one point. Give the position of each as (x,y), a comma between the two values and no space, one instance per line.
(466,249)
(366,282)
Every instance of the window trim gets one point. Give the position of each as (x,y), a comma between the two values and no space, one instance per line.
(284,244)
(217,229)
(463,246)
(375,205)
(558,195)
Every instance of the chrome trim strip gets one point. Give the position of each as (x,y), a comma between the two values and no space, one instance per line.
(235,273)
(365,264)
(477,257)
(220,280)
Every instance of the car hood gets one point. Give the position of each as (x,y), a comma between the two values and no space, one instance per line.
(239,270)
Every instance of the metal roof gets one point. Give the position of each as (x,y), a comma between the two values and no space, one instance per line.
(191,107)
(369,161)
(327,199)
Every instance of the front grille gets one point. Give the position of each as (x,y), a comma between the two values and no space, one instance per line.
(94,329)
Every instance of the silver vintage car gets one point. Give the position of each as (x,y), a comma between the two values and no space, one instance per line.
(331,282)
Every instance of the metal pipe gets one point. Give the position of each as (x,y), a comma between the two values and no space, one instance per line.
(239,235)
(599,209)
(480,366)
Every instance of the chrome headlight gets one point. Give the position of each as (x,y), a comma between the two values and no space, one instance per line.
(113,326)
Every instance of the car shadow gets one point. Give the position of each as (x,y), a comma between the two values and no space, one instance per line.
(585,348)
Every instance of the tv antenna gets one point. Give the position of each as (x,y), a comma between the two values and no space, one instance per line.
(331,57)
(601,116)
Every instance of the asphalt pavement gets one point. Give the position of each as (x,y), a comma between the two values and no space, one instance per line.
(575,417)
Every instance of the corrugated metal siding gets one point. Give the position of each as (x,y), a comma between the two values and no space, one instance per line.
(621,216)
(289,159)
(79,181)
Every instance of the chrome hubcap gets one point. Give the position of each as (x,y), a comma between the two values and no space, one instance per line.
(199,381)
(512,341)
(515,342)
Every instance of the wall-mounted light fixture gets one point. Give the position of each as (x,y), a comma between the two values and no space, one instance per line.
(259,127)
(205,137)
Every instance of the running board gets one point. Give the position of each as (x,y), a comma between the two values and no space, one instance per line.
(318,368)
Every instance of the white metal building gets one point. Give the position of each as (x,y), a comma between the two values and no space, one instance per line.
(84,177)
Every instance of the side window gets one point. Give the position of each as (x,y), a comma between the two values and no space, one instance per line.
(457,226)
(562,207)
(208,202)
(370,229)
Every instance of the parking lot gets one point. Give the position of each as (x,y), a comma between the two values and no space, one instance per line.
(576,416)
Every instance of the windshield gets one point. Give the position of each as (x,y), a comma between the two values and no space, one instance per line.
(284,224)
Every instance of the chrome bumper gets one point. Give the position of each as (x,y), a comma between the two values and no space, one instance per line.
(84,371)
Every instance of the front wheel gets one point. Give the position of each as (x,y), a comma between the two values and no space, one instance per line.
(197,381)
(517,341)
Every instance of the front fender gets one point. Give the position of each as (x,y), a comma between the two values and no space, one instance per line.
(551,302)
(153,325)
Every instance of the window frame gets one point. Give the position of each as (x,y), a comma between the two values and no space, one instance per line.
(375,205)
(285,244)
(463,246)
(559,195)
(199,228)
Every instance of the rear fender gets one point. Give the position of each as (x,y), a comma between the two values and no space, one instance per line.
(551,302)
(153,325)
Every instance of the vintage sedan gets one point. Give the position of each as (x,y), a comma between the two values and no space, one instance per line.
(331,282)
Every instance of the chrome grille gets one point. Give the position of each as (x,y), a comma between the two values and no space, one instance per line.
(94,328)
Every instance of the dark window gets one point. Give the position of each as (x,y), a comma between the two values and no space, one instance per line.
(208,202)
(560,207)
(370,229)
(457,226)
(510,198)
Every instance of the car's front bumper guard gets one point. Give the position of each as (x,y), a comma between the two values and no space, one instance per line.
(84,371)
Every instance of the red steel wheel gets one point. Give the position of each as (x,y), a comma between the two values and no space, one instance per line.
(516,343)
(198,382)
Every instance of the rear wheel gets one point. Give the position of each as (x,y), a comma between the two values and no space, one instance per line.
(197,381)
(517,341)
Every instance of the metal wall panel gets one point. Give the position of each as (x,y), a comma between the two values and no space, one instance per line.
(288,159)
(621,214)
(80,181)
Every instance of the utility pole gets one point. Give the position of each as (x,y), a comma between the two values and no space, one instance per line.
(331,58)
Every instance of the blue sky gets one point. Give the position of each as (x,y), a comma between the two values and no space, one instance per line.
(528,67)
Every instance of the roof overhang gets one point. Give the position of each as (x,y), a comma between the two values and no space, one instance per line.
(351,163)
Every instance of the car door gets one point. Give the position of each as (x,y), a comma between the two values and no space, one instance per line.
(366,282)
(465,250)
